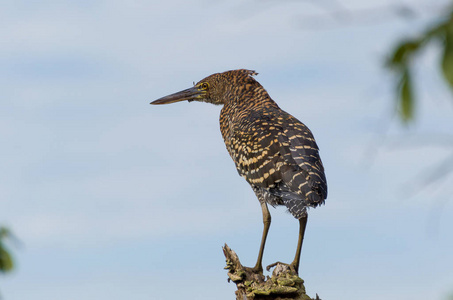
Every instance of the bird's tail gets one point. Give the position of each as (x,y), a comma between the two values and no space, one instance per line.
(300,194)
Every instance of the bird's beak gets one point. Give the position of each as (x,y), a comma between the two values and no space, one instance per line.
(190,94)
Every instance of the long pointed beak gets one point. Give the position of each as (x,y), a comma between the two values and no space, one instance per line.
(190,94)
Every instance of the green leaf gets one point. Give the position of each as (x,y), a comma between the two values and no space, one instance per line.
(407,48)
(402,59)
(447,57)
(406,97)
(402,53)
(6,262)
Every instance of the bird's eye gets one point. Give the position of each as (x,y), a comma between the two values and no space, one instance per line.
(204,85)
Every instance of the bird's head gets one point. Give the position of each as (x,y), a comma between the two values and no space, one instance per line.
(216,88)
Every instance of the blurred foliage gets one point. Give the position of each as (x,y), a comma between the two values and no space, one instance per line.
(402,58)
(6,261)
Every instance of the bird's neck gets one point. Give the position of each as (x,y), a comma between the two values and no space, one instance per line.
(248,96)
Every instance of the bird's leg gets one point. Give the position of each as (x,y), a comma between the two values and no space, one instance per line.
(302,225)
(267,223)
(295,264)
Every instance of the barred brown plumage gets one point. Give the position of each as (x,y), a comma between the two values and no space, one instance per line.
(276,153)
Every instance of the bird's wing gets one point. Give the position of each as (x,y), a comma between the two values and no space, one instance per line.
(273,147)
(254,147)
(299,149)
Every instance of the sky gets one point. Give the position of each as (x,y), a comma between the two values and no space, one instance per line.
(112,198)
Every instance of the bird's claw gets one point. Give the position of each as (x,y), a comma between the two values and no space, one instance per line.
(269,267)
(289,266)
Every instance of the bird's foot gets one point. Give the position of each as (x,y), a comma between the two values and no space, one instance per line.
(257,269)
(282,266)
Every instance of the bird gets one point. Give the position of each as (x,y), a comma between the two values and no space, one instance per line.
(272,150)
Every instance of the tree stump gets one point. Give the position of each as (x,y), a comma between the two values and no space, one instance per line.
(284,284)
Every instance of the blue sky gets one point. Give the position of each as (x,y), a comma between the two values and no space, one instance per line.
(113,198)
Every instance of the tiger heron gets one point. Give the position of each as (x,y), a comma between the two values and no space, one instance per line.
(275,153)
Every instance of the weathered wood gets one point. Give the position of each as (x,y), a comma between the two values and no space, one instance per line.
(284,284)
